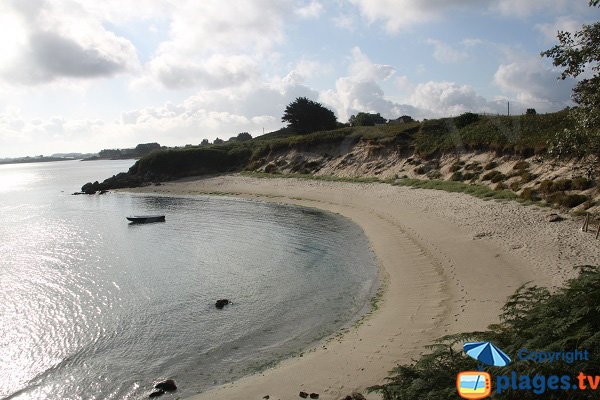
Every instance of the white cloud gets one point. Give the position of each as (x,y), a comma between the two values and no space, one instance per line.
(445,53)
(217,71)
(564,23)
(360,90)
(449,98)
(310,10)
(216,44)
(401,14)
(344,22)
(526,8)
(44,41)
(534,85)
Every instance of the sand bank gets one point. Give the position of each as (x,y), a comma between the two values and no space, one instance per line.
(448,262)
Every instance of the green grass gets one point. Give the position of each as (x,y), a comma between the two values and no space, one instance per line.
(480,191)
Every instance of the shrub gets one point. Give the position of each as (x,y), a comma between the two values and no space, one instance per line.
(455,167)
(469,176)
(527,177)
(521,165)
(581,183)
(500,186)
(491,165)
(530,194)
(434,174)
(466,119)
(566,200)
(457,176)
(561,185)
(498,178)
(515,186)
(473,167)
(491,175)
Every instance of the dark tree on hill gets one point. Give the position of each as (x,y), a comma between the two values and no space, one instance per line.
(306,116)
(366,119)
(204,142)
(243,137)
(218,141)
(578,52)
(145,148)
(531,111)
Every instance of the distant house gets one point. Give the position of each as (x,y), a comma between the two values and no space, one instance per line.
(402,120)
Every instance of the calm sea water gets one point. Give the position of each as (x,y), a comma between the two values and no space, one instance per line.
(92,307)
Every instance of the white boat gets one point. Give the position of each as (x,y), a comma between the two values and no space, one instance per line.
(143,219)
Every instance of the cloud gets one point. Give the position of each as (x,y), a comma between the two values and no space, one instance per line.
(445,53)
(449,98)
(550,30)
(45,41)
(310,10)
(401,14)
(344,22)
(217,71)
(535,85)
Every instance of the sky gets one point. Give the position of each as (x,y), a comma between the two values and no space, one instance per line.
(86,75)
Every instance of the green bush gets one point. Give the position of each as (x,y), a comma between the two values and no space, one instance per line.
(491,175)
(455,167)
(521,165)
(532,318)
(457,177)
(566,200)
(466,119)
(581,183)
(491,165)
(530,194)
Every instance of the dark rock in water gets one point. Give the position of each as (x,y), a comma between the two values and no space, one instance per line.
(167,385)
(157,393)
(303,395)
(77,193)
(221,303)
(103,192)
(314,395)
(267,397)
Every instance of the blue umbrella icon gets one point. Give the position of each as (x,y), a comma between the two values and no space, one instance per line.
(486,353)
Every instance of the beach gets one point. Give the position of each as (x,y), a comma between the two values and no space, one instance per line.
(448,262)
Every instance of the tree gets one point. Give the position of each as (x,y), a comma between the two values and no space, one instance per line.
(218,141)
(144,148)
(204,142)
(306,116)
(243,137)
(576,53)
(531,111)
(366,119)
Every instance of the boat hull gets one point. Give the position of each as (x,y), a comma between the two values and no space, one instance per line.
(145,219)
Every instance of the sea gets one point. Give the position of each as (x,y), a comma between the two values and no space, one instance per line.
(93,307)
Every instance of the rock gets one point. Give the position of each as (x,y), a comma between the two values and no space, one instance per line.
(157,393)
(167,385)
(77,193)
(554,218)
(267,397)
(314,395)
(303,395)
(157,184)
(221,303)
(103,192)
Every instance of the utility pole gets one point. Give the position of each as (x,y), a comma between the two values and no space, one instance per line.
(508,104)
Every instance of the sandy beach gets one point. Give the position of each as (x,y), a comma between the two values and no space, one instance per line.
(447,264)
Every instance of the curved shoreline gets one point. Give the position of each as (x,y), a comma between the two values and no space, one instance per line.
(432,263)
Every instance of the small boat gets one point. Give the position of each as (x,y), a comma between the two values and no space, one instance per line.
(144,219)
